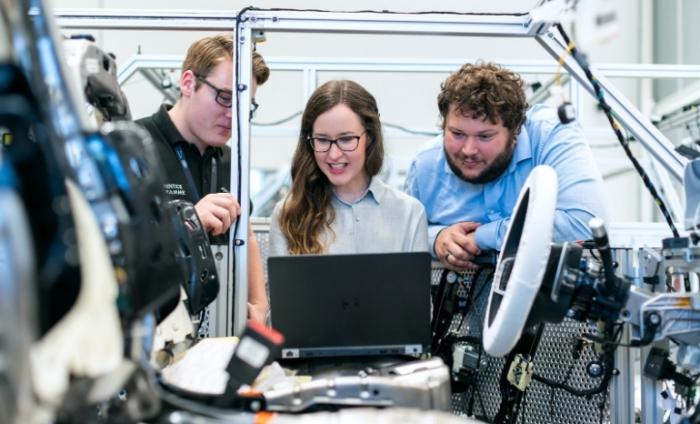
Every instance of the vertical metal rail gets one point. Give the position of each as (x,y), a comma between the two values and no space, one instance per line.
(622,388)
(240,157)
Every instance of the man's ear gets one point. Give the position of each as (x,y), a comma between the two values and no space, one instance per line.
(188,81)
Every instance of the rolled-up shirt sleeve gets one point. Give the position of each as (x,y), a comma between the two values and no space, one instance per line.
(580,195)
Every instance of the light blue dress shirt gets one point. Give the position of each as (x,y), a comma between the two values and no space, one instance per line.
(543,140)
(383,220)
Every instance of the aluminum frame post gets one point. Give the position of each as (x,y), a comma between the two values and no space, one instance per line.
(240,154)
(622,385)
(153,19)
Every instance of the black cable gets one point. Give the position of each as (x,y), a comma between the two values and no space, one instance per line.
(593,255)
(565,380)
(600,97)
(483,408)
(470,301)
(614,332)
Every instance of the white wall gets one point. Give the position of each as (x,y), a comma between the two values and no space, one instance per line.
(404,99)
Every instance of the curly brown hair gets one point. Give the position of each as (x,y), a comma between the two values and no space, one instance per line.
(260,69)
(307,210)
(487,90)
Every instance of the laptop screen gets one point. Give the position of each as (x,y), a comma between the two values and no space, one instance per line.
(337,305)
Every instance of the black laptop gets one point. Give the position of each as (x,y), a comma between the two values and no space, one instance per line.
(349,305)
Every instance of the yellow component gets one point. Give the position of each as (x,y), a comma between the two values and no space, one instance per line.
(520,372)
(121,275)
(683,301)
(6,139)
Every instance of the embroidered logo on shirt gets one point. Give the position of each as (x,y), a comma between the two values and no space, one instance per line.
(174,189)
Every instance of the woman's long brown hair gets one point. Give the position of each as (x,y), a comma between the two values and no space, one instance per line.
(306,212)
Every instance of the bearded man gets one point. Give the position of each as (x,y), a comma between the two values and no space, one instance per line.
(468,179)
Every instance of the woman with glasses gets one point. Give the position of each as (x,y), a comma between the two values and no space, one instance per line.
(337,204)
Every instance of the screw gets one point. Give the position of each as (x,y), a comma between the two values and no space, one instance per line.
(594,369)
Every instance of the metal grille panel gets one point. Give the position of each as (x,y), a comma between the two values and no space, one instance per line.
(261,231)
(553,359)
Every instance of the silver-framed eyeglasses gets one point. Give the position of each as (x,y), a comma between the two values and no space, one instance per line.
(346,143)
(223,97)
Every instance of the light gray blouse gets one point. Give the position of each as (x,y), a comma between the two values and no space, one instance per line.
(382,220)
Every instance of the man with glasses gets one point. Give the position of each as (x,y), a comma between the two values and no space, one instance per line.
(191,139)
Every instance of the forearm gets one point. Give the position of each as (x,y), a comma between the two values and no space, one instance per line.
(257,294)
(571,225)
(568,225)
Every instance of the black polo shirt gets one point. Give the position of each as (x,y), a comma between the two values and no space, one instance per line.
(193,181)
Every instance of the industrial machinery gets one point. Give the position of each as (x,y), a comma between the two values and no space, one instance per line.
(102,198)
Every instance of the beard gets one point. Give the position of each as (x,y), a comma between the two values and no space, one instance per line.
(494,170)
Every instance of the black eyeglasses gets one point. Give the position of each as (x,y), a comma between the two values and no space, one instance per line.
(253,107)
(346,143)
(223,97)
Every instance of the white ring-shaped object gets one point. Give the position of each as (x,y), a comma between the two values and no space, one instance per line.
(522,262)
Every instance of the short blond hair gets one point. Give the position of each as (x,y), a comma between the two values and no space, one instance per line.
(203,55)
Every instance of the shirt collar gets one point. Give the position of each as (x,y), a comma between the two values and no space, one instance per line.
(376,188)
(172,135)
(523,150)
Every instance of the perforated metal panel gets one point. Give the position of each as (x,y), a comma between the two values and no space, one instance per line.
(261,229)
(553,360)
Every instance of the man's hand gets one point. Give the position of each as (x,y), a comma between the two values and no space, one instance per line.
(217,211)
(456,246)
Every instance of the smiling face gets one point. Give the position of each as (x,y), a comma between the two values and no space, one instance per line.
(477,150)
(208,122)
(345,170)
